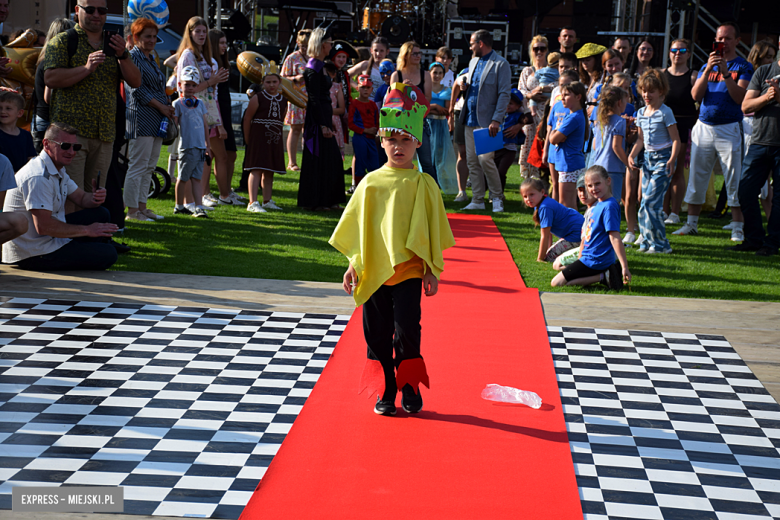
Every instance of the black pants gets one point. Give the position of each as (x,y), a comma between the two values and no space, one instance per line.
(391,323)
(504,159)
(80,254)
(761,163)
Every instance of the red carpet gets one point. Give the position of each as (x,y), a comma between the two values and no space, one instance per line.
(462,456)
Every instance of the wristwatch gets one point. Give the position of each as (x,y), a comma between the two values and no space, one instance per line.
(123,56)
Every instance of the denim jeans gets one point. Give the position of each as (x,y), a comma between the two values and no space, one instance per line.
(366,156)
(617,185)
(760,163)
(655,181)
(80,254)
(424,154)
(38,129)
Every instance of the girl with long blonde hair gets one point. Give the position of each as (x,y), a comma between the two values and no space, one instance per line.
(408,71)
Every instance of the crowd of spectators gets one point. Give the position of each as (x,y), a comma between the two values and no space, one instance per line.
(57,182)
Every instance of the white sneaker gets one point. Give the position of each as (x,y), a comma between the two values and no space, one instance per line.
(729,226)
(629,238)
(673,218)
(236,195)
(639,241)
(230,201)
(462,197)
(737,235)
(235,198)
(498,205)
(138,216)
(474,205)
(654,251)
(665,215)
(255,207)
(205,208)
(271,205)
(209,200)
(687,229)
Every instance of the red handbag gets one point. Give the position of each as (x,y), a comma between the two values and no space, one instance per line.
(536,153)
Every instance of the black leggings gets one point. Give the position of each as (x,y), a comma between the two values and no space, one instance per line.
(504,159)
(391,324)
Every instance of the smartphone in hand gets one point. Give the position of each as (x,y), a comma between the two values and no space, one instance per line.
(719,48)
(107,49)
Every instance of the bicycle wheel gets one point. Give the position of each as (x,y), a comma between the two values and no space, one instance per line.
(154,188)
(164,178)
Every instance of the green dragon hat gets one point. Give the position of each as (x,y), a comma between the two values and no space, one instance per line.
(404,110)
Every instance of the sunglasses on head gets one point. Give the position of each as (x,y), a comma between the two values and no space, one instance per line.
(67,146)
(678,51)
(90,9)
(540,49)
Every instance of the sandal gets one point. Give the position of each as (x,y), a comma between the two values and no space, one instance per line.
(293,167)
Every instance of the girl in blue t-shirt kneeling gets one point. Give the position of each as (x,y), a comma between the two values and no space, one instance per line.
(601,241)
(554,219)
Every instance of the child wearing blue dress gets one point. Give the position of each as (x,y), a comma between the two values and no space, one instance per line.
(442,152)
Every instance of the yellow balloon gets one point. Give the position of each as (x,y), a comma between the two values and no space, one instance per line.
(254,67)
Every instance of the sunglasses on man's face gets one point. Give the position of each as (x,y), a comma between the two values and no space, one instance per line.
(66,146)
(90,9)
(678,51)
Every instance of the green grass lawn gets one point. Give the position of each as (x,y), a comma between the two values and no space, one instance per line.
(293,245)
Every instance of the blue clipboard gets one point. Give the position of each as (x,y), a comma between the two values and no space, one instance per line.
(483,143)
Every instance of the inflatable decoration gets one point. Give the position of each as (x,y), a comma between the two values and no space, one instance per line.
(24,58)
(155,10)
(254,67)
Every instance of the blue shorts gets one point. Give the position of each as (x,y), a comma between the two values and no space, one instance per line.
(191,164)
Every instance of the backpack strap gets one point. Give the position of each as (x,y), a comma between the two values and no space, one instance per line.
(73,43)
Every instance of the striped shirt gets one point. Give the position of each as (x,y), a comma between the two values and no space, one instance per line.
(142,119)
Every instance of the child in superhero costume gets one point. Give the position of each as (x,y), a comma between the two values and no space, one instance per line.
(393,231)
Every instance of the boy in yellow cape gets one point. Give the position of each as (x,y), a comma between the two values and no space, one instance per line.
(393,232)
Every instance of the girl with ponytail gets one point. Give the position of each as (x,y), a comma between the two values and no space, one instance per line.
(609,134)
(553,218)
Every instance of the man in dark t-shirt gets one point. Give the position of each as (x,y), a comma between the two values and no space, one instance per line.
(761,161)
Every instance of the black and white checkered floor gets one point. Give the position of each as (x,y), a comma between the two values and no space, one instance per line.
(185,408)
(667,426)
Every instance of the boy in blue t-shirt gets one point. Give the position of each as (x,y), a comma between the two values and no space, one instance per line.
(512,128)
(194,146)
(386,69)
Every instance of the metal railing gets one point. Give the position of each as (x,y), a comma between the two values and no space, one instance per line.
(706,18)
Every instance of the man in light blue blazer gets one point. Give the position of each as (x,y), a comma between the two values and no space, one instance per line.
(489,90)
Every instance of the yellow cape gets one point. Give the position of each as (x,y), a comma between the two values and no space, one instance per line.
(393,215)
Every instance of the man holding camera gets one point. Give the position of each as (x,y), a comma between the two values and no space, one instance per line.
(717,135)
(85,78)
